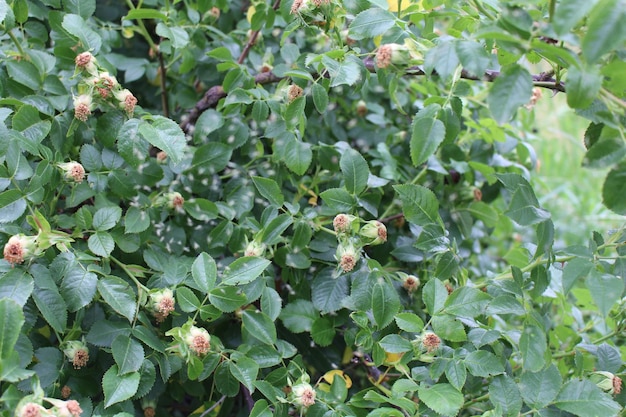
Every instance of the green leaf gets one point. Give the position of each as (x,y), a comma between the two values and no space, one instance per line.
(441,398)
(127,353)
(48,299)
(442,58)
(136,220)
(524,207)
(426,136)
(484,212)
(323,331)
(456,372)
(131,145)
(434,295)
(606,151)
(11,322)
(409,322)
(83,8)
(585,399)
(101,244)
(503,392)
(78,287)
(483,364)
(298,316)
(25,73)
(574,270)
(261,409)
(187,300)
(138,14)
(569,13)
(271,234)
(329,292)
(16,285)
(166,135)
(338,199)
(419,204)
(370,23)
(473,56)
(211,158)
(104,332)
(583,86)
(605,289)
(177,35)
(320,97)
(246,371)
(118,388)
(244,270)
(204,272)
(271,303)
(505,304)
(467,302)
(605,29)
(448,328)
(385,303)
(393,343)
(117,293)
(106,218)
(260,326)
(270,190)
(355,171)
(532,345)
(227,299)
(511,89)
(298,156)
(78,27)
(540,388)
(149,338)
(614,190)
(12,205)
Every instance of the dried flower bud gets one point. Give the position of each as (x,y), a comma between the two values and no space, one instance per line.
(66,391)
(105,83)
(215,13)
(392,53)
(73,171)
(174,200)
(607,381)
(82,107)
(20,248)
(409,282)
(347,255)
(198,340)
(294,92)
(301,6)
(87,62)
(345,223)
(430,341)
(254,248)
(70,408)
(127,101)
(77,353)
(534,98)
(161,303)
(303,395)
(31,410)
(478,194)
(373,233)
(361,108)
(161,156)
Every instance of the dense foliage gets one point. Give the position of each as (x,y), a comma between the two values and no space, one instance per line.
(320,207)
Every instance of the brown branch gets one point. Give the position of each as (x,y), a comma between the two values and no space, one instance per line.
(253,37)
(164,99)
(216,93)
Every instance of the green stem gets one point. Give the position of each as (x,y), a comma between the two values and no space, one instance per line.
(142,28)
(605,337)
(17,43)
(551,9)
(477,400)
(483,10)
(128,272)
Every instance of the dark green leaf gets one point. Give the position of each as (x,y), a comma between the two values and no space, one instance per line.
(244,270)
(131,145)
(585,399)
(16,285)
(385,303)
(605,290)
(298,316)
(11,322)
(338,199)
(118,387)
(456,373)
(443,59)
(48,299)
(204,272)
(260,326)
(187,300)
(393,343)
(271,303)
(227,299)
(12,205)
(127,353)
(101,244)
(614,190)
(509,91)
(448,328)
(355,171)
(473,56)
(78,287)
(320,97)
(323,332)
(270,190)
(409,322)
(329,292)
(441,398)
(419,204)
(434,295)
(583,86)
(605,29)
(532,345)
(426,136)
(136,220)
(503,392)
(467,302)
(166,135)
(569,13)
(106,218)
(483,364)
(78,27)
(540,388)
(246,371)
(177,35)
(117,293)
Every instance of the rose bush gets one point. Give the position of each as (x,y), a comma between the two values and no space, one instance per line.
(214,208)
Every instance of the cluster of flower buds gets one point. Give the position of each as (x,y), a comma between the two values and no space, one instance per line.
(352,237)
(60,408)
(190,340)
(77,352)
(607,381)
(161,303)
(101,86)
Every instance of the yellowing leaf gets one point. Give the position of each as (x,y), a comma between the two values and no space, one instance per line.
(251,12)
(330,376)
(404,4)
(392,358)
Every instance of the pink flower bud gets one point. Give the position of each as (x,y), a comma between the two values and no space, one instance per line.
(345,223)
(77,353)
(127,101)
(73,171)
(31,410)
(87,62)
(20,248)
(303,395)
(254,248)
(82,107)
(373,233)
(347,255)
(198,340)
(392,54)
(162,303)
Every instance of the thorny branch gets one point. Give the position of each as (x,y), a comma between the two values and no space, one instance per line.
(214,94)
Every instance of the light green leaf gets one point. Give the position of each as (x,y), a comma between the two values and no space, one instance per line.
(409,322)
(244,270)
(270,190)
(83,8)
(540,388)
(456,372)
(227,299)
(467,302)
(106,218)
(127,353)
(483,364)
(166,135)
(393,343)
(370,23)
(426,136)
(605,289)
(298,156)
(16,285)
(323,331)
(441,398)
(503,391)
(101,244)
(144,14)
(569,13)
(614,190)
(260,326)
(442,58)
(204,272)
(511,89)
(12,205)
(271,234)
(117,293)
(11,322)
(505,304)
(524,207)
(434,295)
(606,151)
(78,27)
(473,56)
(532,345)
(25,73)
(484,212)
(585,399)
(118,388)
(136,220)
(149,338)
(187,300)
(605,29)
(419,204)
(177,35)
(320,97)
(355,171)
(131,145)
(338,199)
(448,328)
(211,158)
(261,409)
(246,371)
(583,86)
(298,316)
(271,303)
